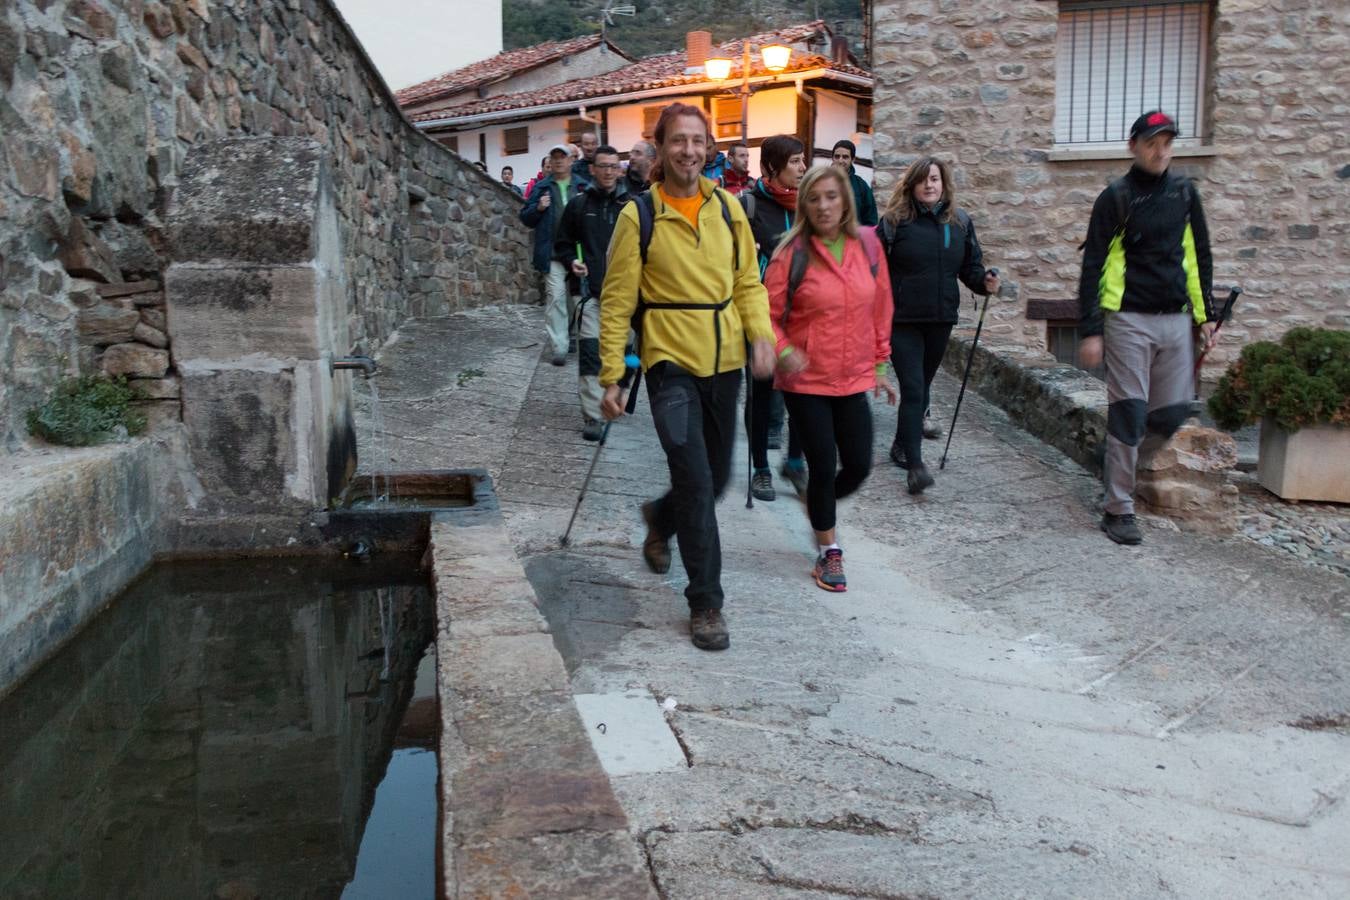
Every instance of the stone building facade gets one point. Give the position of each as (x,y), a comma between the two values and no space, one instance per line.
(104,99)
(975,81)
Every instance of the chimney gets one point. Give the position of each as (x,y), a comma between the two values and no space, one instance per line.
(839,50)
(697,45)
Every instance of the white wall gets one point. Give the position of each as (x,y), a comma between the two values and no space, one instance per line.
(625,122)
(544,133)
(837,120)
(771,112)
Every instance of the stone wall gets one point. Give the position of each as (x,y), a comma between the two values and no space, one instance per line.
(104,99)
(973,81)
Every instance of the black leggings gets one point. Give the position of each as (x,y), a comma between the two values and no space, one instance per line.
(761,416)
(916,354)
(827,425)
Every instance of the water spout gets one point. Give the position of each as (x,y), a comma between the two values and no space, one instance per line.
(367,365)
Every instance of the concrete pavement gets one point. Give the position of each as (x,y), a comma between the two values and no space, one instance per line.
(1003,704)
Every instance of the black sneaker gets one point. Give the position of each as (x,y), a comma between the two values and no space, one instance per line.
(796,476)
(655,549)
(592,429)
(829,571)
(761,485)
(931,430)
(559,359)
(1122,529)
(775,439)
(708,629)
(898,456)
(919,479)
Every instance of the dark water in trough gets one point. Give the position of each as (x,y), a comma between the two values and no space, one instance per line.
(261,728)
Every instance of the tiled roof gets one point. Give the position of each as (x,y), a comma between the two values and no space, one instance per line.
(666,70)
(503,65)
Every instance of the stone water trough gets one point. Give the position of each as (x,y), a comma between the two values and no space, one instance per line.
(262,465)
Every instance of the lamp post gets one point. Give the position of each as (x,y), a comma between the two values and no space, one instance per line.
(718,68)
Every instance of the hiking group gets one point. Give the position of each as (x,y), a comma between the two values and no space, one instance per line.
(708,276)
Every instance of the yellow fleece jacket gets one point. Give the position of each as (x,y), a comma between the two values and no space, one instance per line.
(684,265)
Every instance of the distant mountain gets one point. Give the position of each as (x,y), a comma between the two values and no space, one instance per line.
(660,25)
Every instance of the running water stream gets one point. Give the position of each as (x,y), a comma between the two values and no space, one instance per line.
(378,463)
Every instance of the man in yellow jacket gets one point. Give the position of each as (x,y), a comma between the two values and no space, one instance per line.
(700,302)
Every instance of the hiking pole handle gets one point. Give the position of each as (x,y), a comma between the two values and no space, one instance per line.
(632,377)
(1225,312)
(1227,309)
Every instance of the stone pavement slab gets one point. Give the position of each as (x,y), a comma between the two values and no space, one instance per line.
(1003,704)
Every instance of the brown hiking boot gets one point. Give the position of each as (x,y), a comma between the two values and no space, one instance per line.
(655,549)
(708,629)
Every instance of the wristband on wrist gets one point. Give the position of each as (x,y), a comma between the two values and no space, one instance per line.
(782,354)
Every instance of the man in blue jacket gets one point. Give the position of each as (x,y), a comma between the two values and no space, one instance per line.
(542,212)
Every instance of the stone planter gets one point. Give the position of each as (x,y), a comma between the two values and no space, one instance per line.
(1308,464)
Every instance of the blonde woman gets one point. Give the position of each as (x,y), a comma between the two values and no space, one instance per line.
(929,245)
(830,302)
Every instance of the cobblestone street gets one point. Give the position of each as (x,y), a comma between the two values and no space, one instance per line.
(1003,704)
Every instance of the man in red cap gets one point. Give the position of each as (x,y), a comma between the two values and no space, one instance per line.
(1147,276)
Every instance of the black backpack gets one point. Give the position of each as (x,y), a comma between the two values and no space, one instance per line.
(646,210)
(1125,201)
(886,229)
(646,213)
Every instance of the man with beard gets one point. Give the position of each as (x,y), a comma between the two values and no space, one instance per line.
(682,257)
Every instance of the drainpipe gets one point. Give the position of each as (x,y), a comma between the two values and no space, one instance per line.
(810,121)
(593,119)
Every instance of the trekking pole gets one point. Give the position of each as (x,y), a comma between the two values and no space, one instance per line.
(1224,313)
(979,326)
(749,449)
(631,376)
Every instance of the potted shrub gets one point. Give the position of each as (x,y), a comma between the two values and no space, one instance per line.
(1299,390)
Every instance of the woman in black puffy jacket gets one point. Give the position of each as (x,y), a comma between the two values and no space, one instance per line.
(929,245)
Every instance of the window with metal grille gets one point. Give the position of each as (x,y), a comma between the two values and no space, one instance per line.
(1118,58)
(1062,338)
(727,117)
(515,140)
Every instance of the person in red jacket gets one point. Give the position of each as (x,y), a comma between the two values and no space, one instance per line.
(834,342)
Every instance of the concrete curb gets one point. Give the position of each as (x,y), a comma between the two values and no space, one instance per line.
(527,809)
(1060,404)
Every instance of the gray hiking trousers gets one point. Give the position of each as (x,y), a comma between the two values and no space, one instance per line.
(1150,381)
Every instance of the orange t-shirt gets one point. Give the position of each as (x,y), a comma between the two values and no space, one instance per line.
(685,206)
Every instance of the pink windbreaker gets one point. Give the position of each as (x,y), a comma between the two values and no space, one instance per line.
(840,317)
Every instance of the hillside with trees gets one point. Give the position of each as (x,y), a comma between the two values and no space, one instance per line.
(660,25)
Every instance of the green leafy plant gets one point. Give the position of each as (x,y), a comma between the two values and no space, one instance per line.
(1302,380)
(467,375)
(85,411)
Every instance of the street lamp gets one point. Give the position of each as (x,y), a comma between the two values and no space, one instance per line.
(718,68)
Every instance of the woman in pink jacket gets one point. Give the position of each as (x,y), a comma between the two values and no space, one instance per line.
(830,302)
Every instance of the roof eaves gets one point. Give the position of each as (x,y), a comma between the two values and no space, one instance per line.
(492,109)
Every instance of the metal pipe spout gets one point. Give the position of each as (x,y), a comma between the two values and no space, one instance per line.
(367,365)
